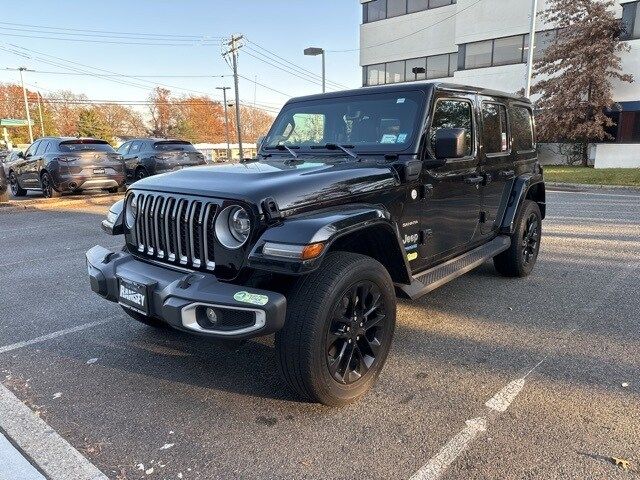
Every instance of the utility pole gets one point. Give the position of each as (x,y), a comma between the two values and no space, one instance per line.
(226,119)
(26,102)
(234,46)
(532,42)
(40,113)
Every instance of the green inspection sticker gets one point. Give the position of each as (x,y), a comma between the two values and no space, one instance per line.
(253,298)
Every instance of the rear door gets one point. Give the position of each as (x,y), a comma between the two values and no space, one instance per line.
(497,163)
(452,197)
(132,158)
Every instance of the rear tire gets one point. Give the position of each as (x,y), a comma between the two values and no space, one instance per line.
(141,173)
(16,189)
(339,328)
(149,321)
(113,190)
(520,258)
(48,190)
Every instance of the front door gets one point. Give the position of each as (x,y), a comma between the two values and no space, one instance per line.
(29,177)
(451,208)
(496,163)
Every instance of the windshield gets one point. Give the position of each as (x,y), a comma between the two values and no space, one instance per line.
(84,146)
(173,146)
(366,122)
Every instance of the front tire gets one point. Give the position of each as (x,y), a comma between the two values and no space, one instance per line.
(16,189)
(520,258)
(149,321)
(339,327)
(48,190)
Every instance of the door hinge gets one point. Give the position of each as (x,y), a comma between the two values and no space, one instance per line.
(425,191)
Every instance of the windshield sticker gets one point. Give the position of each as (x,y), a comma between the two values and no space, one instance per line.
(400,100)
(253,298)
(388,138)
(402,138)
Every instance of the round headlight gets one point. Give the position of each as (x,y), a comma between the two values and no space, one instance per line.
(131,210)
(233,227)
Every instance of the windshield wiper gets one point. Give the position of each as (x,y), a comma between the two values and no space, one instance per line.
(285,147)
(335,146)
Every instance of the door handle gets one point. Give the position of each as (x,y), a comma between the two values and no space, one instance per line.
(475,180)
(507,173)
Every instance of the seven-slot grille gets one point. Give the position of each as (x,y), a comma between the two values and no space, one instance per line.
(175,229)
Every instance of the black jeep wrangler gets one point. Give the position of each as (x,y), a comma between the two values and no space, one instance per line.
(355,197)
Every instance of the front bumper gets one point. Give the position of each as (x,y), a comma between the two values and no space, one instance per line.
(178,298)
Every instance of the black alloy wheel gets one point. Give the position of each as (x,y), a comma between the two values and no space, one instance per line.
(356,332)
(16,189)
(530,239)
(140,174)
(47,186)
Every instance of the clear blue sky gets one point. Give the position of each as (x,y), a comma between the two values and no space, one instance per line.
(284,27)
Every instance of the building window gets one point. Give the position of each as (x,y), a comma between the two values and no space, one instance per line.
(522,128)
(494,128)
(395,72)
(478,54)
(631,20)
(436,66)
(507,51)
(376,74)
(504,51)
(374,11)
(381,9)
(543,40)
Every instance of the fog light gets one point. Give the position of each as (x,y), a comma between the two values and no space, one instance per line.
(211,315)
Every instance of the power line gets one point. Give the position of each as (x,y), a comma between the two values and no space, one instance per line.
(442,20)
(169,35)
(264,86)
(293,64)
(126,36)
(131,75)
(113,42)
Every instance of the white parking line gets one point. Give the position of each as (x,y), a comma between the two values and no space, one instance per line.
(501,401)
(52,453)
(59,333)
(454,447)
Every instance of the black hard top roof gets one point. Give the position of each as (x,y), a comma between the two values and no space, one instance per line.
(408,86)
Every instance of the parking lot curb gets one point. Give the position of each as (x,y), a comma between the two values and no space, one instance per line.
(586,186)
(52,454)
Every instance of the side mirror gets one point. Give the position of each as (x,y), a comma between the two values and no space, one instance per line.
(451,143)
(21,155)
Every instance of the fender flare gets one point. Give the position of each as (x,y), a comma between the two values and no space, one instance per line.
(329,226)
(519,192)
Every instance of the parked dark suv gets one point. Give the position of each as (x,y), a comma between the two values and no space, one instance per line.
(149,156)
(58,165)
(356,196)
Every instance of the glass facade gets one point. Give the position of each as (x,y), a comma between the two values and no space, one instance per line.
(504,51)
(436,66)
(381,9)
(631,20)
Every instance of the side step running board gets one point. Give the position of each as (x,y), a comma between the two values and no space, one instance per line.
(425,282)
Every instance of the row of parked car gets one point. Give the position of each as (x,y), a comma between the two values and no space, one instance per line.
(57,165)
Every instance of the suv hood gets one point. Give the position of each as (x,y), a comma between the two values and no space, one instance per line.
(291,183)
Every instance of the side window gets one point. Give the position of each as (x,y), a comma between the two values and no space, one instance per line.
(32,149)
(135,148)
(124,148)
(522,129)
(494,128)
(43,147)
(452,114)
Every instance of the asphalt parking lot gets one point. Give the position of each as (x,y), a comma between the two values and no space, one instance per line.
(488,377)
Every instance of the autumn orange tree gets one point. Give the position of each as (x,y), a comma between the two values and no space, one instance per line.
(576,72)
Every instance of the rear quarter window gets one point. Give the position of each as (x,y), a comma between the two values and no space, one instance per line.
(522,128)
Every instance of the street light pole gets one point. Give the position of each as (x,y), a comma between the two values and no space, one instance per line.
(40,113)
(26,103)
(313,51)
(226,119)
(532,42)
